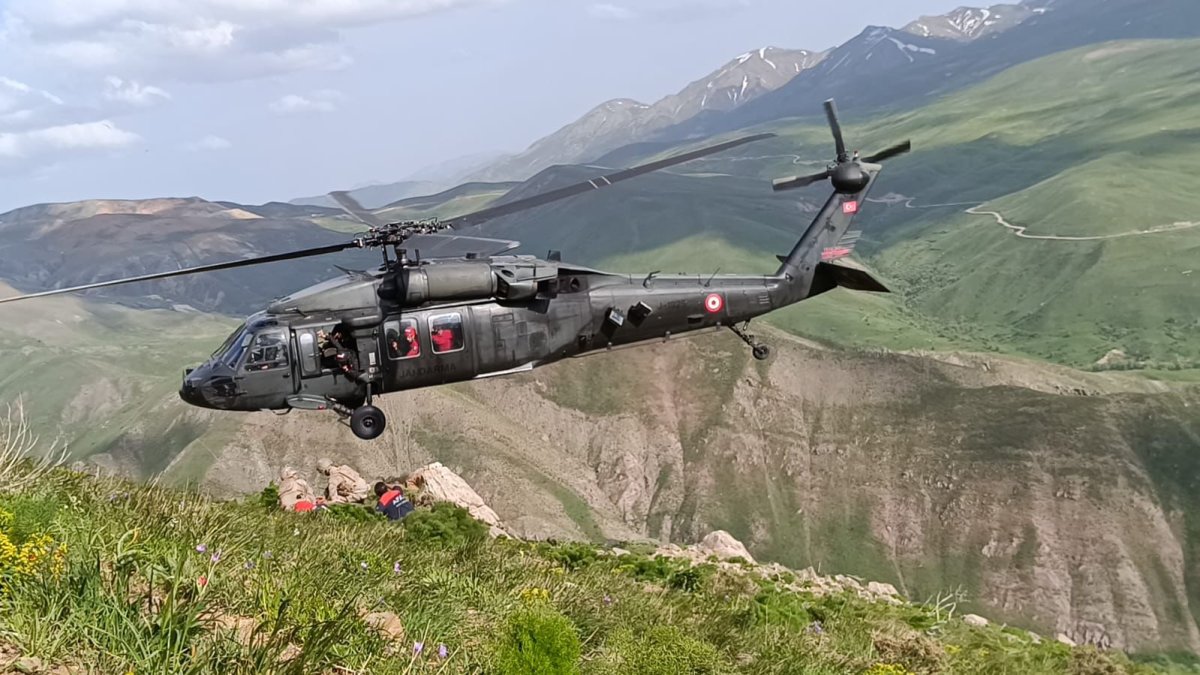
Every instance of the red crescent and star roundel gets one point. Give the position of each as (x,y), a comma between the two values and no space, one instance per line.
(714,303)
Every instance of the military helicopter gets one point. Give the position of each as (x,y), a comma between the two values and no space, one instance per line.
(424,321)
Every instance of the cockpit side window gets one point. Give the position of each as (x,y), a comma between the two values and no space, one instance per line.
(402,339)
(268,350)
(446,332)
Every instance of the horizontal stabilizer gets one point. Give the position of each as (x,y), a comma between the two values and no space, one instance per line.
(850,278)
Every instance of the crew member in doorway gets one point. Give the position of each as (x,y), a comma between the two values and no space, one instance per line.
(337,349)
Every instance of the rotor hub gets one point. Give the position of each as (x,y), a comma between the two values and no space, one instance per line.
(849,178)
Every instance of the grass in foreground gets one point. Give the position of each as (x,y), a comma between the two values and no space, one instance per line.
(102,574)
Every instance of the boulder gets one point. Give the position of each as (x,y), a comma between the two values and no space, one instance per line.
(723,545)
(443,485)
(975,620)
(387,624)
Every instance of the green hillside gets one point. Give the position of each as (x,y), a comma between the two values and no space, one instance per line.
(104,379)
(107,575)
(1097,143)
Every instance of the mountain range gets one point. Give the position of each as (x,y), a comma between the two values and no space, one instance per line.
(967,431)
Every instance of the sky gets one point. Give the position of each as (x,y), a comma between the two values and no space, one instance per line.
(259,100)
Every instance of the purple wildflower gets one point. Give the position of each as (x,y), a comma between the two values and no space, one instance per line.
(418,647)
(608,600)
(216,557)
(815,628)
(201,548)
(442,651)
(249,564)
(396,567)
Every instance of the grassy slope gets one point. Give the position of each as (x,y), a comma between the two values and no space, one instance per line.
(307,583)
(104,378)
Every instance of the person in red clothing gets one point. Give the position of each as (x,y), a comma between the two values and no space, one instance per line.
(414,345)
(392,502)
(443,339)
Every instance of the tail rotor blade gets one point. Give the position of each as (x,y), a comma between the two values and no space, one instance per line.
(888,153)
(792,182)
(836,126)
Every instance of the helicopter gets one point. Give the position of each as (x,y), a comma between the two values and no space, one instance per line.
(425,321)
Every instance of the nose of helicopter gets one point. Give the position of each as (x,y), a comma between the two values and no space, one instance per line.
(190,390)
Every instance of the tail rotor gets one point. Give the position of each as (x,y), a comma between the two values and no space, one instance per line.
(846,172)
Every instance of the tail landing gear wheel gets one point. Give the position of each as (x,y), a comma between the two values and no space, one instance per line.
(761,352)
(367,422)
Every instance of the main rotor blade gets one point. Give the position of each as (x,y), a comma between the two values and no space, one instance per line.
(594,184)
(792,182)
(351,206)
(836,126)
(888,153)
(305,253)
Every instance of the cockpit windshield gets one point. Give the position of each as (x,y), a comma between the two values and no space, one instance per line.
(234,337)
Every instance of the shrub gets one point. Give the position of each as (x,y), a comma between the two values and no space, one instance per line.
(662,650)
(351,512)
(538,639)
(572,555)
(446,524)
(269,497)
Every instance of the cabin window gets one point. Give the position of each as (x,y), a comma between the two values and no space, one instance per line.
(446,332)
(402,339)
(308,352)
(267,350)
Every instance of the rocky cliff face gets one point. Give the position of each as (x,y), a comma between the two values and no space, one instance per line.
(1047,495)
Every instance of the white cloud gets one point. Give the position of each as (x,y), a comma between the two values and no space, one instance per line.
(22,88)
(24,106)
(43,145)
(195,40)
(324,100)
(606,10)
(132,92)
(209,142)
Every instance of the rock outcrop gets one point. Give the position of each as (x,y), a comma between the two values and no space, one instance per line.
(443,485)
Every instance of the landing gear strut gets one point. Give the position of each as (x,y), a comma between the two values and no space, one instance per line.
(758,349)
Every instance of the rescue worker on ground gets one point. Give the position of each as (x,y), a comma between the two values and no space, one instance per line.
(346,486)
(294,492)
(391,501)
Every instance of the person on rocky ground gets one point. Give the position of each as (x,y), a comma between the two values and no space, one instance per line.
(346,486)
(391,501)
(293,490)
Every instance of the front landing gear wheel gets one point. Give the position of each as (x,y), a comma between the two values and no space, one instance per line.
(367,422)
(761,352)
